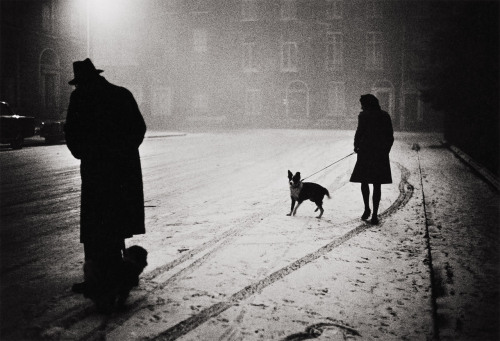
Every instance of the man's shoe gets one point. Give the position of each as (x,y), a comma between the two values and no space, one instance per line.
(374,220)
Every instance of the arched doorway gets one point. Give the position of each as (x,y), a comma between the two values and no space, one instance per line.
(50,77)
(297,100)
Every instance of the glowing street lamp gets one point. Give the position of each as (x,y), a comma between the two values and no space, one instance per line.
(105,13)
(88,27)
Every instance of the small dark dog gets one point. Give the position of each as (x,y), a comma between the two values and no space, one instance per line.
(107,288)
(300,191)
(134,262)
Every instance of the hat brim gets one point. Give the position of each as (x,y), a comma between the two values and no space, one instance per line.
(75,80)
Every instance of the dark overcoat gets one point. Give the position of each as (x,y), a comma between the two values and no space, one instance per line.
(373,141)
(104,129)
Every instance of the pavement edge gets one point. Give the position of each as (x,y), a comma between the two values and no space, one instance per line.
(479,169)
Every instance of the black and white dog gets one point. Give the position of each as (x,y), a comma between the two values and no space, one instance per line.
(300,191)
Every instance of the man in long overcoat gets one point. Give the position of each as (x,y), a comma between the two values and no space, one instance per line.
(104,129)
(372,142)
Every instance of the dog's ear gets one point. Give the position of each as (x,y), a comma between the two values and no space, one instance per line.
(290,175)
(296,177)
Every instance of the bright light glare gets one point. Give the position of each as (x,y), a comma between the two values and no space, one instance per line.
(109,13)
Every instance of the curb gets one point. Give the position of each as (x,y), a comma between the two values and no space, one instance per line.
(479,169)
(159,135)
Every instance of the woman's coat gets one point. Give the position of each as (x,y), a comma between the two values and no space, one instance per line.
(372,142)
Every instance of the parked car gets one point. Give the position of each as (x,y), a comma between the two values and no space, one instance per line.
(52,130)
(14,128)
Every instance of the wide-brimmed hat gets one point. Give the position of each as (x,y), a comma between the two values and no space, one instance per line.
(84,70)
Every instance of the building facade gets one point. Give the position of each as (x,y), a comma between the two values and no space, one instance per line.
(294,63)
(230,63)
(39,42)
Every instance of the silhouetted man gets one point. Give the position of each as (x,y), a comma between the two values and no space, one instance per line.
(372,142)
(104,129)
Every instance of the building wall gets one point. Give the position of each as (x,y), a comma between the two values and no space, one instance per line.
(40,40)
(226,62)
(235,55)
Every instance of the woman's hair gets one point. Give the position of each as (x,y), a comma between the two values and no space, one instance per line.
(369,102)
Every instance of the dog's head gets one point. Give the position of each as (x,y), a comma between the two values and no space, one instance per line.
(294,180)
(136,255)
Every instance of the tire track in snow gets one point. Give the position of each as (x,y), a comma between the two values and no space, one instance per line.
(77,315)
(66,319)
(184,327)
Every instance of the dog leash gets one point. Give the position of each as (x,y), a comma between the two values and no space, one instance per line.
(331,164)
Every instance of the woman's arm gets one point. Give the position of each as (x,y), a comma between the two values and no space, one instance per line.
(360,131)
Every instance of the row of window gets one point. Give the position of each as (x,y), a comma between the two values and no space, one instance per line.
(250,9)
(297,97)
(334,53)
(48,17)
(297,101)
(289,60)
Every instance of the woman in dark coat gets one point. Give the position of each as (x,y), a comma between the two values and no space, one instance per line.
(104,129)
(372,142)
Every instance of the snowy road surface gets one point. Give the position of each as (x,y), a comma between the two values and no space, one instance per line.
(225,262)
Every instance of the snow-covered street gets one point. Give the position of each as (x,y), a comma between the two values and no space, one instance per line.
(226,263)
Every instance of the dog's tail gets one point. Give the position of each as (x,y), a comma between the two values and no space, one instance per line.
(327,193)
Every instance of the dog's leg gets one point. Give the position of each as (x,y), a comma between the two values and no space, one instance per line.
(320,211)
(296,207)
(319,207)
(291,209)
